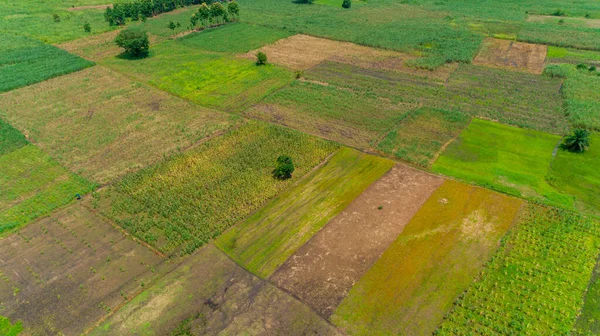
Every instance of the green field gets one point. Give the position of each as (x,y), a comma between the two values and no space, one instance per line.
(10,329)
(504,158)
(33,184)
(570,55)
(24,61)
(68,118)
(206,78)
(266,239)
(416,280)
(537,281)
(420,136)
(10,138)
(234,38)
(183,202)
(588,322)
(159,25)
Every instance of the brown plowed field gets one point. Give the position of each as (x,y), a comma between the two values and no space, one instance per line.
(322,271)
(512,55)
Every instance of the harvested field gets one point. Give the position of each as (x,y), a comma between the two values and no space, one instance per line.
(100,46)
(423,134)
(265,240)
(208,295)
(512,55)
(417,279)
(573,21)
(79,8)
(323,270)
(64,272)
(301,52)
(103,125)
(185,201)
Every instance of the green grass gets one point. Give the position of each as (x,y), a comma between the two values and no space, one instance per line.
(570,55)
(416,280)
(8,329)
(562,35)
(24,61)
(186,200)
(421,135)
(588,322)
(264,241)
(33,184)
(159,25)
(504,158)
(536,283)
(209,79)
(578,175)
(10,138)
(234,38)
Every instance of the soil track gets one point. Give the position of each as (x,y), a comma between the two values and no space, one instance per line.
(322,272)
(513,55)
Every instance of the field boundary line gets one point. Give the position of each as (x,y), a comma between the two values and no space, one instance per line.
(443,148)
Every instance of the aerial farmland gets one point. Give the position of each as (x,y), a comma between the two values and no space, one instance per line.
(299,167)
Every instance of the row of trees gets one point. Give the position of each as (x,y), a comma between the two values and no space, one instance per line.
(215,13)
(142,9)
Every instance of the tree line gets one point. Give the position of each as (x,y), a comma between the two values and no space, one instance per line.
(216,13)
(142,9)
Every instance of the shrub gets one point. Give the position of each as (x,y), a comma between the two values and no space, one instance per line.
(87,27)
(261,58)
(217,11)
(581,66)
(284,168)
(592,68)
(558,12)
(299,74)
(172,25)
(233,8)
(135,42)
(346,4)
(578,142)
(55,17)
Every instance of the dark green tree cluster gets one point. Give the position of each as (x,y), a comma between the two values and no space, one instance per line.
(215,14)
(142,9)
(134,41)
(577,142)
(284,168)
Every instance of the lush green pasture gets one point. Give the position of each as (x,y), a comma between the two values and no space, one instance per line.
(416,280)
(186,200)
(34,19)
(565,34)
(351,117)
(234,38)
(33,184)
(102,125)
(159,25)
(588,322)
(536,283)
(10,329)
(570,55)
(24,61)
(10,138)
(264,241)
(505,158)
(581,93)
(520,99)
(578,175)
(209,79)
(421,135)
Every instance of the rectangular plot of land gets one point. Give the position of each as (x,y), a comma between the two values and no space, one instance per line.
(210,295)
(322,271)
(64,272)
(103,125)
(444,246)
(265,240)
(512,55)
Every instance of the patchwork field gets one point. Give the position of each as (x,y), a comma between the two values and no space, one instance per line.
(416,280)
(182,202)
(64,272)
(205,78)
(536,283)
(271,235)
(24,61)
(209,295)
(323,270)
(512,55)
(69,116)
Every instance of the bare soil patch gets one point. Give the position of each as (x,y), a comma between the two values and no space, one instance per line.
(208,295)
(512,55)
(301,52)
(64,272)
(78,8)
(322,271)
(100,46)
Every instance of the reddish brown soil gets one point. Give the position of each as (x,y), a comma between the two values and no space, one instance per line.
(64,272)
(322,271)
(513,55)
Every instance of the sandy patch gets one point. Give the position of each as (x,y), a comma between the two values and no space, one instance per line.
(512,55)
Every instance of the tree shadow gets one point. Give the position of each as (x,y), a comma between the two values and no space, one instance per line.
(302,2)
(132,57)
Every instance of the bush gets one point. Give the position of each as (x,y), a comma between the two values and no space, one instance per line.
(55,17)
(172,25)
(581,66)
(261,58)
(135,42)
(87,27)
(233,8)
(558,12)
(346,4)
(578,142)
(284,168)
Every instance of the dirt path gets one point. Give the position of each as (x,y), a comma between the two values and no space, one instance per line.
(322,272)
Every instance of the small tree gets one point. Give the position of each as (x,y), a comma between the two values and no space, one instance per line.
(194,20)
(346,4)
(56,18)
(234,9)
(261,58)
(172,25)
(217,11)
(134,41)
(284,168)
(87,27)
(578,142)
(204,13)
